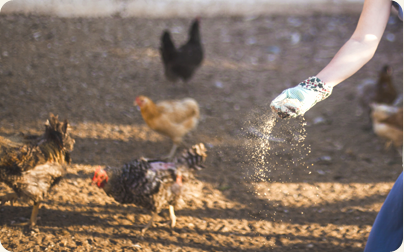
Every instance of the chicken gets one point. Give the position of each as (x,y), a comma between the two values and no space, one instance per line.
(151,184)
(388,123)
(181,63)
(32,169)
(173,118)
(381,92)
(385,92)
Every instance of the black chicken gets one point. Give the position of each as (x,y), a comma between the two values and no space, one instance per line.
(31,167)
(385,92)
(151,184)
(182,62)
(381,92)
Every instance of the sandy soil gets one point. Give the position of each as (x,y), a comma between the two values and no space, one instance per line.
(320,190)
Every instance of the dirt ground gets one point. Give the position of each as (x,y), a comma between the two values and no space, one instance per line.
(319,190)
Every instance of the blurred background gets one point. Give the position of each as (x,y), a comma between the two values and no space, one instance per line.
(315,185)
(177,8)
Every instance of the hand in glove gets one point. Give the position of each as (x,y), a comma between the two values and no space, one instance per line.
(298,100)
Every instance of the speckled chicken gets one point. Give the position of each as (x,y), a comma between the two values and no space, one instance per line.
(181,63)
(31,168)
(151,184)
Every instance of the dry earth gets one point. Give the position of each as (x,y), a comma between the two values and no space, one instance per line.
(318,191)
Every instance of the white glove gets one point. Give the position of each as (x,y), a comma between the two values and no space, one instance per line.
(298,100)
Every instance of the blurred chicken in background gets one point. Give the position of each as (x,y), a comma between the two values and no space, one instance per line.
(173,118)
(181,63)
(388,123)
(381,92)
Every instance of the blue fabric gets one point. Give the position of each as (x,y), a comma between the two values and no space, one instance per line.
(399,9)
(387,231)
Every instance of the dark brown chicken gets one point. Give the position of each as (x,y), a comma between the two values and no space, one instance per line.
(181,63)
(32,169)
(151,184)
(383,92)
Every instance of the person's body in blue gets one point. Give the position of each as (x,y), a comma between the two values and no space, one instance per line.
(387,231)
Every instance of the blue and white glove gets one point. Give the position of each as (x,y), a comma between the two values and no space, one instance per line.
(298,100)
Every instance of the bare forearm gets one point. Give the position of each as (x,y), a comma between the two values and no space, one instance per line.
(360,48)
(355,53)
(345,63)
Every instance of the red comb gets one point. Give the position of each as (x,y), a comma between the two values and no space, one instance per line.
(138,100)
(99,172)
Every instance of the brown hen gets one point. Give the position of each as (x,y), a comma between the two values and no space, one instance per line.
(172,118)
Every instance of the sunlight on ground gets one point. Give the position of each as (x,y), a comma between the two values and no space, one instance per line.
(94,130)
(115,132)
(292,194)
(273,221)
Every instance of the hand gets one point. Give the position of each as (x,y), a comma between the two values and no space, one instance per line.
(298,100)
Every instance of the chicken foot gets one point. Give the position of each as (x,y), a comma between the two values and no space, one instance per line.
(149,223)
(34,217)
(8,197)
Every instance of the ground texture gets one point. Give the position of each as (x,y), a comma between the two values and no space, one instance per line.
(319,190)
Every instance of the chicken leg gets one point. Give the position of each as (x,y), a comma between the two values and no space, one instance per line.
(149,223)
(34,217)
(172,216)
(34,214)
(172,151)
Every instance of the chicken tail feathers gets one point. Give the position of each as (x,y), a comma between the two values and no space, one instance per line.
(194,35)
(194,157)
(167,45)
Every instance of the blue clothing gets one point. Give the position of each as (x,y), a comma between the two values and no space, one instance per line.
(387,231)
(399,9)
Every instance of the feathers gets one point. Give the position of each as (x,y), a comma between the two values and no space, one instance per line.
(35,183)
(194,157)
(31,169)
(173,118)
(388,123)
(383,91)
(181,63)
(152,184)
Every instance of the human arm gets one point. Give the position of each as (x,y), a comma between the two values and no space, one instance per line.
(362,45)
(355,53)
